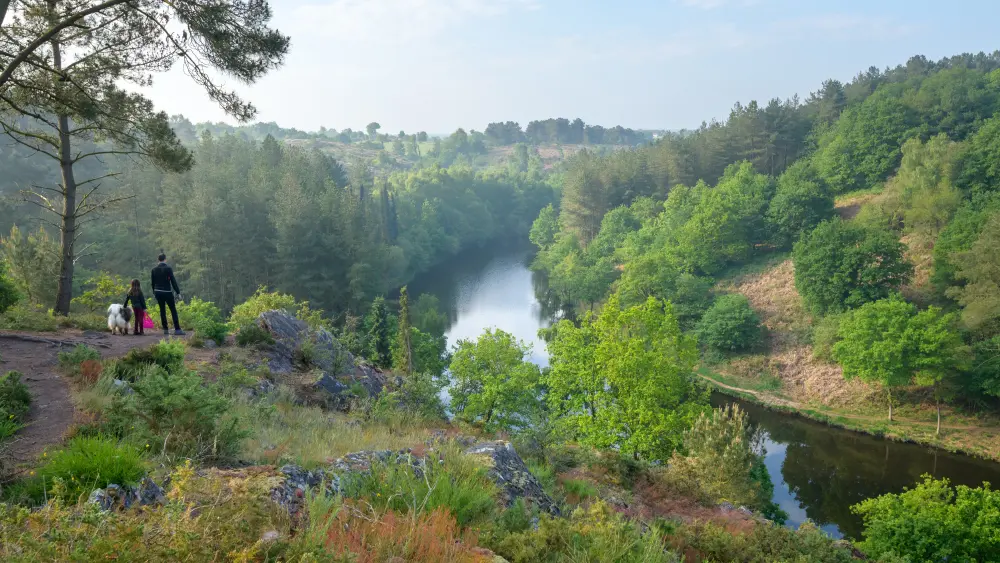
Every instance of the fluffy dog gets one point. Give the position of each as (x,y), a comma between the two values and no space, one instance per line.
(118,318)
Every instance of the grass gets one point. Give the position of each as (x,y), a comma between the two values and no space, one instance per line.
(15,400)
(282,432)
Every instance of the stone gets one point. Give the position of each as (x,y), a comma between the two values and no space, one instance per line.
(118,497)
(510,473)
(338,373)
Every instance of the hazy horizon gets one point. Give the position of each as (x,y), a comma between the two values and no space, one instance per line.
(426,65)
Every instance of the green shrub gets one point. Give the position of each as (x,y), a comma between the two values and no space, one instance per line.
(86,463)
(15,400)
(459,484)
(253,335)
(579,490)
(205,319)
(595,534)
(70,361)
(104,289)
(730,325)
(933,522)
(246,313)
(824,336)
(419,394)
(85,321)
(168,354)
(9,294)
(176,414)
(763,543)
(28,317)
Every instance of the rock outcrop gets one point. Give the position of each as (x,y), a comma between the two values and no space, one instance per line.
(316,364)
(510,473)
(119,497)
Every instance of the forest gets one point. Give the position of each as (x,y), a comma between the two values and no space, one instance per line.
(303,418)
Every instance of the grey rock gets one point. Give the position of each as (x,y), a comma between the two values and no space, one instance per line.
(117,497)
(337,369)
(510,473)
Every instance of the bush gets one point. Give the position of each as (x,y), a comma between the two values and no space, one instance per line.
(840,266)
(204,318)
(246,313)
(105,289)
(800,202)
(596,534)
(86,463)
(167,354)
(730,325)
(70,361)
(419,394)
(177,414)
(725,462)
(824,336)
(933,522)
(9,295)
(763,543)
(15,400)
(253,335)
(28,317)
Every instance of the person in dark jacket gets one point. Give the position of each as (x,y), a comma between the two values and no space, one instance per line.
(164,287)
(138,305)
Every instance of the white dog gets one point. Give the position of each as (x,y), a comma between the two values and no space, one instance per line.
(118,318)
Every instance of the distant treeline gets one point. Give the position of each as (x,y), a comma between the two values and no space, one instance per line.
(555,130)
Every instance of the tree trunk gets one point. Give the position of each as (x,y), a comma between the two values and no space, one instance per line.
(890,407)
(937,432)
(67,227)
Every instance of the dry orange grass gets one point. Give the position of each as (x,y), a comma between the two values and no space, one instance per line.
(773,295)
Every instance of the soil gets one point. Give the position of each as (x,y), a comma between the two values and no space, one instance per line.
(52,408)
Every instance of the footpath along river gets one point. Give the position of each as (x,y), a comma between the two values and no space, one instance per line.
(818,471)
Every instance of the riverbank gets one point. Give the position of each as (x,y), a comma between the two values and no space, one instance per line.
(960,433)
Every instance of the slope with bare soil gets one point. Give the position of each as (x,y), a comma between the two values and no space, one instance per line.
(36,356)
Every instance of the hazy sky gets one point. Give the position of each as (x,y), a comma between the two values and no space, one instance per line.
(436,65)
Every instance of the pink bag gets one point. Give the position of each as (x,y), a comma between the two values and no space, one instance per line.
(147,321)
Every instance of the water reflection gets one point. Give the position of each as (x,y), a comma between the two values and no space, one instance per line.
(819,471)
(490,289)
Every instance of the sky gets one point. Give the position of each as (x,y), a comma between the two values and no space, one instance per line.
(436,65)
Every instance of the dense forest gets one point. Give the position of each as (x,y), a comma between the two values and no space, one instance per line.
(915,145)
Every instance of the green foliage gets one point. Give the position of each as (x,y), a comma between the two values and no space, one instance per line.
(725,462)
(15,400)
(596,533)
(32,264)
(727,221)
(80,353)
(824,336)
(978,268)
(840,266)
(246,313)
(402,349)
(9,294)
(178,414)
(544,229)
(864,145)
(167,354)
(86,463)
(730,325)
(380,329)
(933,522)
(763,543)
(29,317)
(420,394)
(959,236)
(801,201)
(458,484)
(105,289)
(494,383)
(253,335)
(888,342)
(204,318)
(427,315)
(625,379)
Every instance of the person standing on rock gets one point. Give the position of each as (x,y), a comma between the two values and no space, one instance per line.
(164,286)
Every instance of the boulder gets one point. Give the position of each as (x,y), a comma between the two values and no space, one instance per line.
(118,497)
(336,374)
(510,473)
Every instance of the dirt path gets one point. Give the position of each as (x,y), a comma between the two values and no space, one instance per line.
(768,399)
(52,409)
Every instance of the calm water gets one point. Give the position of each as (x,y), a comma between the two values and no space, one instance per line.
(818,471)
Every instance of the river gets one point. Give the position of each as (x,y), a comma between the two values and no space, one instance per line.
(818,471)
